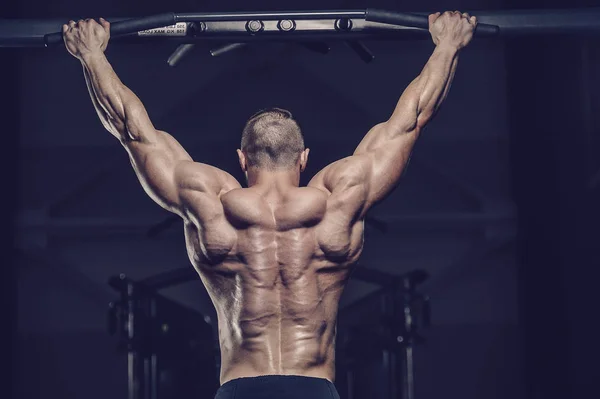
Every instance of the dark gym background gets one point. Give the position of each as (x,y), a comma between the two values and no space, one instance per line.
(499,203)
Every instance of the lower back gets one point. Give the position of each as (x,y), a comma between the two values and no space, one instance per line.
(279,347)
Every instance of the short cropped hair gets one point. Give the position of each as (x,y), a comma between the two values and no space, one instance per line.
(272,139)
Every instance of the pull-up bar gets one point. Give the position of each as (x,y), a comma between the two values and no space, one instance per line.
(255,24)
(303,26)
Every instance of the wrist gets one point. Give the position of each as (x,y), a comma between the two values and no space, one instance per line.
(91,56)
(448,46)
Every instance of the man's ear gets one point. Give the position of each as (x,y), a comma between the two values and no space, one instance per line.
(304,159)
(242,159)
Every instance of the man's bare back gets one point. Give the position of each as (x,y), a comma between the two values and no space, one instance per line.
(277,290)
(274,257)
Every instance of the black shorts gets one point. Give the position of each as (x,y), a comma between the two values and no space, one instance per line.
(278,387)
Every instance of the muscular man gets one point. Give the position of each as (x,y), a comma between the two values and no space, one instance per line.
(274,256)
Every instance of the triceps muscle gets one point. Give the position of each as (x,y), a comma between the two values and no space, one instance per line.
(155,165)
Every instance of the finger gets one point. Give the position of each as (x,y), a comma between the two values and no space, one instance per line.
(473,20)
(105,24)
(466,15)
(65,28)
(71,24)
(434,17)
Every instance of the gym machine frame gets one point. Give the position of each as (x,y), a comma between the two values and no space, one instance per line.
(404,311)
(144,333)
(309,28)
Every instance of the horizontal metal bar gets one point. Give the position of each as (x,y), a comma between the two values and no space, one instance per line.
(30,33)
(320,35)
(543,22)
(269,15)
(420,21)
(315,26)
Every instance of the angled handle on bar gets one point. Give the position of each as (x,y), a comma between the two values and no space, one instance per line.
(125,27)
(418,21)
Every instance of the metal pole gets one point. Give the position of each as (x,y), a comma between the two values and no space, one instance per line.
(407,353)
(396,383)
(391,307)
(350,384)
(132,356)
(147,377)
(154,376)
(409,373)
(152,353)
(131,391)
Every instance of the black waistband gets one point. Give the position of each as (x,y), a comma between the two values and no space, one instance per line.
(283,386)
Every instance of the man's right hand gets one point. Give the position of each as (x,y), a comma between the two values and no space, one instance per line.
(86,37)
(452,28)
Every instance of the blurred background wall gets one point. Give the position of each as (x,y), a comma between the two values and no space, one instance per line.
(495,205)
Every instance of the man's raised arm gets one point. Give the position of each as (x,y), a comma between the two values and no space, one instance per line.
(163,167)
(377,164)
(423,97)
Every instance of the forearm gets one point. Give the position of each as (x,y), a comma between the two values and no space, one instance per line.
(100,111)
(424,96)
(437,77)
(118,108)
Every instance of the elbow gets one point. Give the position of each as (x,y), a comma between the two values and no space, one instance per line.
(116,127)
(422,120)
(131,134)
(425,114)
(112,126)
(120,129)
(394,129)
(136,125)
(117,110)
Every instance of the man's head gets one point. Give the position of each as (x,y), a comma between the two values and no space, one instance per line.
(272,141)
